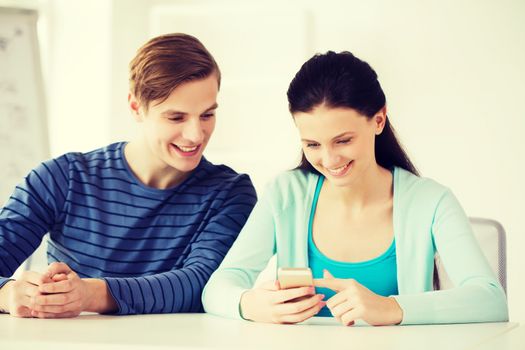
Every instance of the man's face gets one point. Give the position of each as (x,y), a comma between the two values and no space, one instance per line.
(178,129)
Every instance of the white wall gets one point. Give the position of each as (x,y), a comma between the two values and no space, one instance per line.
(79,83)
(452,71)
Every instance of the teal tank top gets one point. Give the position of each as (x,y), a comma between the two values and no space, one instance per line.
(378,274)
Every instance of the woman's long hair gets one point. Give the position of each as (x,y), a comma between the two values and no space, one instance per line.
(342,80)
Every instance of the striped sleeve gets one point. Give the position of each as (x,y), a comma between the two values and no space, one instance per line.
(179,290)
(31,211)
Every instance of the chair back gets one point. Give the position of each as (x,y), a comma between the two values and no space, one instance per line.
(491,238)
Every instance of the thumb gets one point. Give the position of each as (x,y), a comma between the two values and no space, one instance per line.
(59,277)
(271,285)
(56,268)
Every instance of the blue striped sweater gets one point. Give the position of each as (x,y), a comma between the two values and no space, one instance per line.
(155,248)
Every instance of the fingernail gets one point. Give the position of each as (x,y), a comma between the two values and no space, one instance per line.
(321,296)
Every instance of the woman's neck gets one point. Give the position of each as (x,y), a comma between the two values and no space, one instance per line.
(373,186)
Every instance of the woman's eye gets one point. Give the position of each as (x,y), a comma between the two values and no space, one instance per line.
(312,145)
(208,115)
(176,118)
(344,141)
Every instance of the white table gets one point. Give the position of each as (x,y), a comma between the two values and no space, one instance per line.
(203,331)
(511,340)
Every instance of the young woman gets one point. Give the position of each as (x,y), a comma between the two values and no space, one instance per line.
(358,214)
(134,227)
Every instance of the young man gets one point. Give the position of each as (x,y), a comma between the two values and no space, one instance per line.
(134,227)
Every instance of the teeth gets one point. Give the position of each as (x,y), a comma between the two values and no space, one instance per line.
(187,149)
(339,170)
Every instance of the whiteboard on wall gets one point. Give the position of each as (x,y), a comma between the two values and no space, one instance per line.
(23,128)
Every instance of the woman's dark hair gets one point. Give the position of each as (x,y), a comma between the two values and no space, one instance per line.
(343,80)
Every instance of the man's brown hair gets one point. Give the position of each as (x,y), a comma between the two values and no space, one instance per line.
(167,61)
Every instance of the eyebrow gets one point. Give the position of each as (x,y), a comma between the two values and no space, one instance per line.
(172,111)
(346,133)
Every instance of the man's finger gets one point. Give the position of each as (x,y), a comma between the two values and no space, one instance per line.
(57,268)
(21,311)
(57,309)
(51,315)
(34,278)
(30,290)
(59,277)
(23,301)
(56,287)
(53,299)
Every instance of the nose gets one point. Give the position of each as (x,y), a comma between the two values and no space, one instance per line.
(193,131)
(329,158)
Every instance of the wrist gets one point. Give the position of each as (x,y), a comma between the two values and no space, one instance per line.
(396,313)
(98,298)
(244,306)
(4,296)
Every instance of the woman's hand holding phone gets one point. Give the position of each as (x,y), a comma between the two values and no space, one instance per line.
(272,304)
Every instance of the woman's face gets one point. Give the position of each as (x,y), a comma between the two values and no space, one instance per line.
(339,142)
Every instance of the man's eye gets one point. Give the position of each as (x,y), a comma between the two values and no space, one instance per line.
(176,118)
(208,115)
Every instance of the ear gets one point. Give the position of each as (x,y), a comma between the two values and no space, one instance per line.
(380,120)
(134,107)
